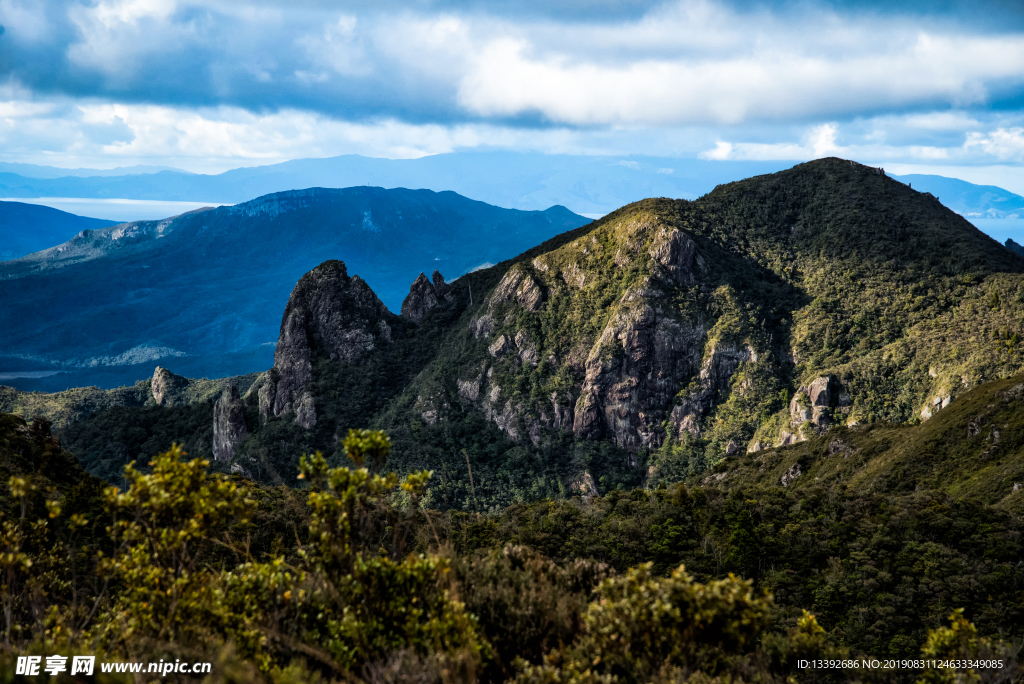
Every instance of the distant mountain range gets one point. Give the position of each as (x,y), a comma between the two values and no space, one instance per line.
(27,228)
(588,185)
(206,288)
(39,171)
(968,199)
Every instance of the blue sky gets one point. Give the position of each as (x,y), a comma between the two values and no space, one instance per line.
(929,87)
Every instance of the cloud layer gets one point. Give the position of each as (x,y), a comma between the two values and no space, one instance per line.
(221,83)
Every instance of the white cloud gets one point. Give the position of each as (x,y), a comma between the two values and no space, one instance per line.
(938,121)
(796,72)
(212,140)
(1005,144)
(337,48)
(819,142)
(130,11)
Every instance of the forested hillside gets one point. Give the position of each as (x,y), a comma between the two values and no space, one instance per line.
(641,349)
(805,388)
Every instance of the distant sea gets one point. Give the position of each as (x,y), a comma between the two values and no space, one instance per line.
(1001,228)
(122,210)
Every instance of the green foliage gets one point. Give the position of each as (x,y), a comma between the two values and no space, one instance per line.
(107,441)
(161,524)
(961,642)
(526,605)
(363,445)
(876,569)
(352,579)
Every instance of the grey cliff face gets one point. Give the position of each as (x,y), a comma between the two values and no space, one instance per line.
(167,386)
(633,371)
(720,363)
(423,296)
(520,287)
(816,404)
(229,430)
(329,314)
(643,355)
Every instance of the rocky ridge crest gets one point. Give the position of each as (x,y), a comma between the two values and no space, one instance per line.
(328,314)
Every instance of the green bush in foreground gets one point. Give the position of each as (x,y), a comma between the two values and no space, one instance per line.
(177,574)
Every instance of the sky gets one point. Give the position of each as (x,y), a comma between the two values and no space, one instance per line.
(917,87)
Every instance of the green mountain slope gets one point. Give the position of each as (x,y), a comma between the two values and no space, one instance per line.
(650,345)
(974,449)
(688,330)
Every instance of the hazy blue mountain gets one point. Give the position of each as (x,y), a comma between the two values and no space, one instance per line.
(206,288)
(38,171)
(27,228)
(585,184)
(591,185)
(968,199)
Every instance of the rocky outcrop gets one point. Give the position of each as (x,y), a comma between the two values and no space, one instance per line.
(470,389)
(716,371)
(482,327)
(329,315)
(816,403)
(167,387)
(676,253)
(633,371)
(935,405)
(520,287)
(527,349)
(584,486)
(499,347)
(229,430)
(423,296)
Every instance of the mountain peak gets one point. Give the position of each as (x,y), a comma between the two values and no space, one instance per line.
(328,315)
(423,296)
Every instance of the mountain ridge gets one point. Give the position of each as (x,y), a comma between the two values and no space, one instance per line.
(196,287)
(591,185)
(27,228)
(670,335)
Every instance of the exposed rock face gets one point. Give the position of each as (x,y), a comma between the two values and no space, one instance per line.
(470,389)
(229,429)
(636,366)
(423,296)
(937,404)
(786,438)
(633,371)
(328,315)
(482,327)
(675,251)
(791,474)
(815,403)
(499,347)
(716,370)
(520,287)
(584,485)
(527,349)
(167,386)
